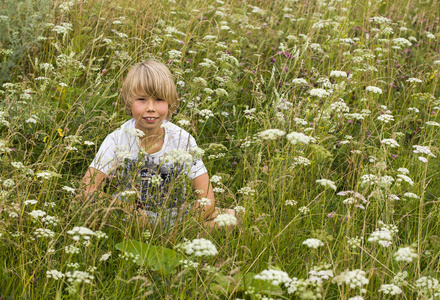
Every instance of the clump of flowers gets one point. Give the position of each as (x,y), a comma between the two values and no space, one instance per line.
(326,183)
(383,235)
(275,277)
(406,254)
(225,220)
(271,134)
(200,247)
(353,279)
(79,232)
(298,137)
(313,243)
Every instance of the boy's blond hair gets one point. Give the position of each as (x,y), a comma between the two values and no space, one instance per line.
(150,78)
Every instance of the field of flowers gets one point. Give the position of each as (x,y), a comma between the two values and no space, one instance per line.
(320,125)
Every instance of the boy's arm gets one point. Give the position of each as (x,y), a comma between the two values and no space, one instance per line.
(201,183)
(91,182)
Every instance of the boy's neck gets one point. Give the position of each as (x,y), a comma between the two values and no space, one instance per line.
(152,137)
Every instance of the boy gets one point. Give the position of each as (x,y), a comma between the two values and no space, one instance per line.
(151,153)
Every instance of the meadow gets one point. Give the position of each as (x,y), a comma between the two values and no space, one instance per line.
(319,122)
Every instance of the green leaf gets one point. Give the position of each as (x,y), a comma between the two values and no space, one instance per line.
(157,258)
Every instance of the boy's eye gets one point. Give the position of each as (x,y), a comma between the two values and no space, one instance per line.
(158,99)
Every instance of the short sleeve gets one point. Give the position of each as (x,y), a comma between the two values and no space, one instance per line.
(105,159)
(198,167)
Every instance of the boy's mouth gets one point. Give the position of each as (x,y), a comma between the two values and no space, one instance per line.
(150,119)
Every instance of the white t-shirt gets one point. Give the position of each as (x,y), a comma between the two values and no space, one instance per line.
(121,149)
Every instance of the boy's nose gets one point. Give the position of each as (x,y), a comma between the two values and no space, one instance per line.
(149,106)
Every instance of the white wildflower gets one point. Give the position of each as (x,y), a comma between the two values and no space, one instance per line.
(54,274)
(225,220)
(326,183)
(298,137)
(105,256)
(200,247)
(246,191)
(401,177)
(319,93)
(406,254)
(30,202)
(410,195)
(8,183)
(275,277)
(390,289)
(353,279)
(290,202)
(373,89)
(390,142)
(37,213)
(299,160)
(385,118)
(313,243)
(271,134)
(299,81)
(69,189)
(204,202)
(338,74)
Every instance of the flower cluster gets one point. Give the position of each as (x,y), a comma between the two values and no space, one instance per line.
(200,247)
(225,220)
(275,277)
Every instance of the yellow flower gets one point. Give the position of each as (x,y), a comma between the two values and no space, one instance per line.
(60,132)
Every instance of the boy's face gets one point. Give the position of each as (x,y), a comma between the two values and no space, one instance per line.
(149,112)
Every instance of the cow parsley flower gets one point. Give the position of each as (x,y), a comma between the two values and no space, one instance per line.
(382,236)
(319,93)
(326,183)
(298,137)
(406,254)
(271,134)
(410,195)
(77,232)
(225,220)
(204,202)
(246,191)
(390,142)
(69,189)
(30,202)
(390,289)
(299,81)
(37,213)
(423,150)
(313,243)
(105,256)
(275,277)
(200,247)
(8,183)
(373,89)
(299,160)
(44,232)
(54,274)
(179,156)
(401,178)
(239,209)
(385,118)
(353,279)
(338,74)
